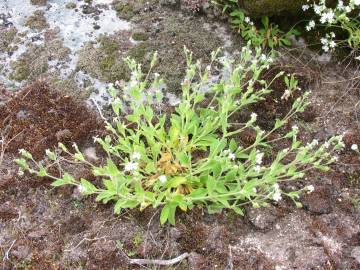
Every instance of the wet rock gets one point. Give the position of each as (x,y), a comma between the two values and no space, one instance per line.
(196,261)
(319,201)
(262,218)
(355,253)
(38,2)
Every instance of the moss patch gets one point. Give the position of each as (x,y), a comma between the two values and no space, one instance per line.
(7,35)
(37,21)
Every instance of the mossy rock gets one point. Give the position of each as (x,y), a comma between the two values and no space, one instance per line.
(258,8)
(272,7)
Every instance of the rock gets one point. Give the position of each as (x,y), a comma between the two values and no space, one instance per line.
(262,218)
(38,2)
(355,253)
(271,7)
(319,201)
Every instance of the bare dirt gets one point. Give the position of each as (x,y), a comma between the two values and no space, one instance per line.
(45,228)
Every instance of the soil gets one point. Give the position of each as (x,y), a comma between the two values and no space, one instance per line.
(46,228)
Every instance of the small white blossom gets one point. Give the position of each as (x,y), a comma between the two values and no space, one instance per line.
(354,147)
(326,145)
(257,168)
(162,179)
(247,20)
(258,158)
(305,7)
(253,117)
(136,156)
(20,172)
(131,166)
(277,196)
(310,188)
(232,156)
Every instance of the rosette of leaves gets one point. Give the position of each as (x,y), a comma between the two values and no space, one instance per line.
(191,157)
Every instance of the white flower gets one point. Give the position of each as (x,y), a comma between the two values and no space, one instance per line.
(276,186)
(136,156)
(131,166)
(253,117)
(259,157)
(277,196)
(317,9)
(305,7)
(247,19)
(232,156)
(326,145)
(20,172)
(332,44)
(323,40)
(162,179)
(356,2)
(257,168)
(327,17)
(310,188)
(354,147)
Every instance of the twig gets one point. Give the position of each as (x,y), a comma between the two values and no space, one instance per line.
(83,240)
(159,262)
(7,253)
(98,108)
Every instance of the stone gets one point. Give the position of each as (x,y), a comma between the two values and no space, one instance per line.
(271,7)
(319,201)
(262,218)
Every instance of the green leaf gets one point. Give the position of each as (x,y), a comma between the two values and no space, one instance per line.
(164,214)
(88,188)
(211,185)
(176,181)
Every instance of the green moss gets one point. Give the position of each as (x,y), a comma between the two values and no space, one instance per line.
(70,5)
(6,38)
(124,10)
(20,72)
(272,7)
(37,21)
(140,36)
